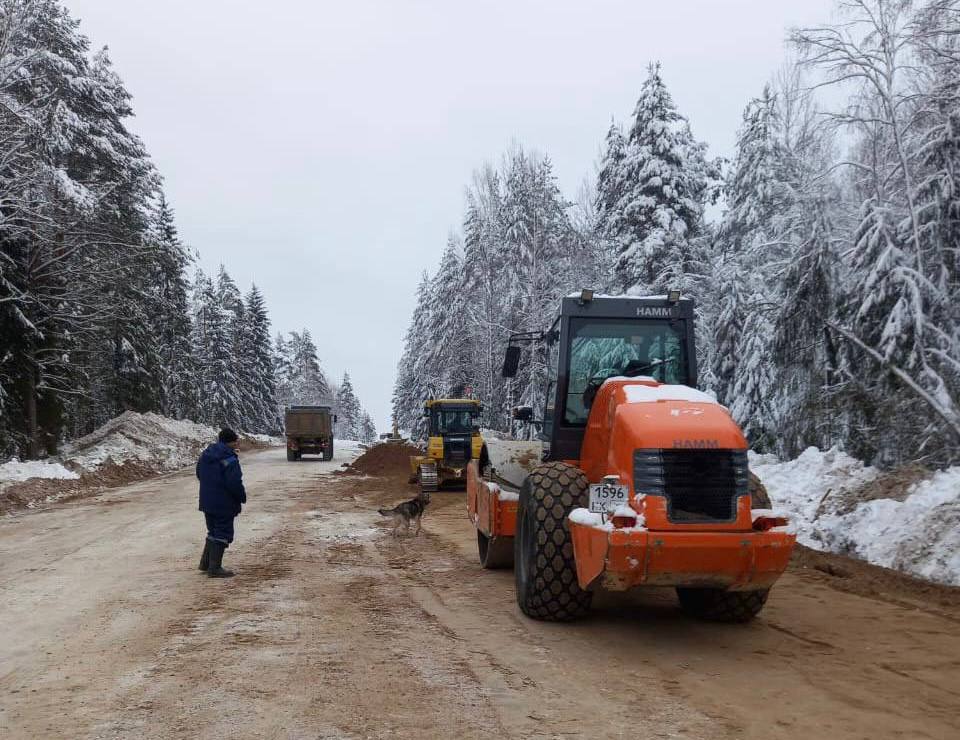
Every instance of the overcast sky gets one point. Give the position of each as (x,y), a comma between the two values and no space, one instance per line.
(321,149)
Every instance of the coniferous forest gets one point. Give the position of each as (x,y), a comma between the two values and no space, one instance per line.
(102,309)
(827,283)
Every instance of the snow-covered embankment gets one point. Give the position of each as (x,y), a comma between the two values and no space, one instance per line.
(829,496)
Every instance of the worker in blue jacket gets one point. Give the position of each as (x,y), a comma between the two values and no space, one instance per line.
(221,498)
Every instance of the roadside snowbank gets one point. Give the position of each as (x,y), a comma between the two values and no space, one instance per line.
(918,534)
(151,440)
(15,471)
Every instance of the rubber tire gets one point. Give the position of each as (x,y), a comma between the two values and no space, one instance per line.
(328,453)
(759,498)
(291,456)
(495,552)
(717,605)
(544,567)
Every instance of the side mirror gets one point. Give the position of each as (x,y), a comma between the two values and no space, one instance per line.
(511,361)
(334,418)
(426,413)
(522,413)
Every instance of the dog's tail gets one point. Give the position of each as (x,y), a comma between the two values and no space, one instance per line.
(385,512)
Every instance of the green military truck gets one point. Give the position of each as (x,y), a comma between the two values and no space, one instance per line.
(309,430)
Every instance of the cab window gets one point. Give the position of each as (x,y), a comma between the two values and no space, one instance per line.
(453,421)
(607,348)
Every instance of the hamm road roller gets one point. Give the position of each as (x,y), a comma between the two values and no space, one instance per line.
(638,478)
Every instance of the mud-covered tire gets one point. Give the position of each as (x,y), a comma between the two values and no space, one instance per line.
(543,563)
(717,605)
(494,552)
(291,456)
(328,453)
(759,498)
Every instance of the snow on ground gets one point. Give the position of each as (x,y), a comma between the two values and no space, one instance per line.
(919,535)
(264,439)
(148,439)
(15,471)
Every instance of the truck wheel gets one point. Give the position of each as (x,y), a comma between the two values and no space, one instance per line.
(291,456)
(495,552)
(328,453)
(543,564)
(717,605)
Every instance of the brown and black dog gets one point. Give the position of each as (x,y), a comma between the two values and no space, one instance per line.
(408,511)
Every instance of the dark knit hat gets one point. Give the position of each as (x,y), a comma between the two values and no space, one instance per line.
(227,436)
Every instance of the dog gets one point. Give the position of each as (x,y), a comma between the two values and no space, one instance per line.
(408,511)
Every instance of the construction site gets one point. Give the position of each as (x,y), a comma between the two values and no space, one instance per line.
(480,371)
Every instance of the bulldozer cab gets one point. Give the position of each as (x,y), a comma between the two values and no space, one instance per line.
(597,338)
(453,417)
(453,428)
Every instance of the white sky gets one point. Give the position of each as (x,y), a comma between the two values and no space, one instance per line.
(322,149)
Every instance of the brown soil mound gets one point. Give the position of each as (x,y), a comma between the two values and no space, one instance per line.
(387,459)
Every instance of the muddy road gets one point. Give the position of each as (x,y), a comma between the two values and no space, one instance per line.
(332,629)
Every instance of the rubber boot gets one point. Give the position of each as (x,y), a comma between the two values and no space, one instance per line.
(205,558)
(216,569)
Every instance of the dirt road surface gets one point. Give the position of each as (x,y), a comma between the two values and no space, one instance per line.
(332,629)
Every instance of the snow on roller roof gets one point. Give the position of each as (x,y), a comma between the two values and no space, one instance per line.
(623,296)
(644,393)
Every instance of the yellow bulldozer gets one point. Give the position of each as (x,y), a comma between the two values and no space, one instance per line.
(454,440)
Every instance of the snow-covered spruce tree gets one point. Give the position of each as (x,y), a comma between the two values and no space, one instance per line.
(448,354)
(656,221)
(728,327)
(171,321)
(803,352)
(283,373)
(213,351)
(263,384)
(486,288)
(369,429)
(413,385)
(610,185)
(349,412)
(308,385)
(748,257)
(543,247)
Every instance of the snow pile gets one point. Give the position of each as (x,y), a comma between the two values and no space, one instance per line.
(15,471)
(798,487)
(919,534)
(150,440)
(263,439)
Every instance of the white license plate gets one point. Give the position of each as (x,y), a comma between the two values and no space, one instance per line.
(605,497)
